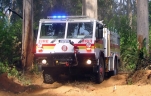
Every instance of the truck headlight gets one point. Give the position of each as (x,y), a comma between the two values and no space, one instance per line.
(44,61)
(88,61)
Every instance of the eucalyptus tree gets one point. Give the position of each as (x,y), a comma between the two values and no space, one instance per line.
(89,8)
(142,24)
(27,34)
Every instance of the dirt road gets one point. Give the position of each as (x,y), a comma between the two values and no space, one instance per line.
(117,85)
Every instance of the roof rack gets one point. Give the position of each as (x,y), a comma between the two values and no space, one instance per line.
(66,17)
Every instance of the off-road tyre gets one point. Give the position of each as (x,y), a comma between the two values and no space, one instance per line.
(101,71)
(115,71)
(48,78)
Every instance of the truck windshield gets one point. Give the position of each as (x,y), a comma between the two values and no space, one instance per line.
(52,30)
(80,30)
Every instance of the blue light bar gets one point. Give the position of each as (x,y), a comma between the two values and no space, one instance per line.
(57,17)
(54,16)
(64,17)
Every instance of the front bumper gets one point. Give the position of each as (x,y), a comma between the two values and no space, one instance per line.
(66,59)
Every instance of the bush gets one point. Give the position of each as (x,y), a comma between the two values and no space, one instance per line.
(4,68)
(128,42)
(10,39)
(12,71)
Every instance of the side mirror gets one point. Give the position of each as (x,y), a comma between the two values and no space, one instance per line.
(100,26)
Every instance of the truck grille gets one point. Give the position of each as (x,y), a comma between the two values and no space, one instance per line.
(63,58)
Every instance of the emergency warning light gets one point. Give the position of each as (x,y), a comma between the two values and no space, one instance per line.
(63,17)
(56,17)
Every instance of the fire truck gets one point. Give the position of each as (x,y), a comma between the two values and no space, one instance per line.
(76,45)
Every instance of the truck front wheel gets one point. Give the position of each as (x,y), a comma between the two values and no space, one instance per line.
(100,71)
(48,78)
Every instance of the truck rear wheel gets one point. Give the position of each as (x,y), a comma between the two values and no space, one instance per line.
(48,78)
(115,71)
(101,72)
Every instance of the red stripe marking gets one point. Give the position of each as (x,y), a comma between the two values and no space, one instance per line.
(47,44)
(99,41)
(114,46)
(82,44)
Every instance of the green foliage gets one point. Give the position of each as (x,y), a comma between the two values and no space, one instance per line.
(128,41)
(132,57)
(129,50)
(35,69)
(24,80)
(129,81)
(13,72)
(5,68)
(10,40)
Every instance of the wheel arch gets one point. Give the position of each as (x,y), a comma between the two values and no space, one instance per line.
(103,56)
(115,58)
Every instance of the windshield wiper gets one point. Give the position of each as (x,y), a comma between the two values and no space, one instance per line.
(53,40)
(83,38)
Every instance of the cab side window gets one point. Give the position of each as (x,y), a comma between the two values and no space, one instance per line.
(118,40)
(99,31)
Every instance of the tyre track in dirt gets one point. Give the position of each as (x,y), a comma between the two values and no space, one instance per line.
(111,86)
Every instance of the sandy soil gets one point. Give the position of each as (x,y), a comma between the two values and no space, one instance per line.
(137,84)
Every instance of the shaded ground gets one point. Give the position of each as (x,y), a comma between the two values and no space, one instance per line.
(118,85)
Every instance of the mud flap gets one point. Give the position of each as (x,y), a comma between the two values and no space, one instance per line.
(95,69)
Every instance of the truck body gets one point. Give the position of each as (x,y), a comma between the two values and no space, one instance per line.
(76,45)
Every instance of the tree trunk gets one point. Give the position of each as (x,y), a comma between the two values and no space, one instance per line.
(142,24)
(129,12)
(89,8)
(27,34)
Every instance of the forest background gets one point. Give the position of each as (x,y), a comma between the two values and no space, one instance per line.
(119,15)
